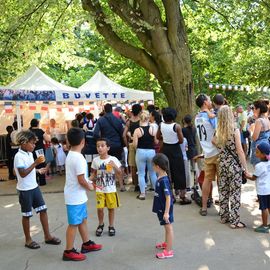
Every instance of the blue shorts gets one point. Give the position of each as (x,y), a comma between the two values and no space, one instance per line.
(162,221)
(76,214)
(264,202)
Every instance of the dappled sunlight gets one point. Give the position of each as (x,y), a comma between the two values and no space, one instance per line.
(209,243)
(9,205)
(267,253)
(203,267)
(265,243)
(35,230)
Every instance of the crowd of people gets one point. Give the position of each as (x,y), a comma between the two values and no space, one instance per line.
(159,153)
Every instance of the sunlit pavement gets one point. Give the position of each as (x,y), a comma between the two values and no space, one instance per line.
(200,242)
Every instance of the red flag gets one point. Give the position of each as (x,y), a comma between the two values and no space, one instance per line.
(8,107)
(32,107)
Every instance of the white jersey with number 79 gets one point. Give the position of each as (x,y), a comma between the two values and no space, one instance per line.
(205,132)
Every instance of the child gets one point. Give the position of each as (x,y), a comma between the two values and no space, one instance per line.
(262,177)
(29,193)
(163,204)
(105,169)
(60,155)
(76,198)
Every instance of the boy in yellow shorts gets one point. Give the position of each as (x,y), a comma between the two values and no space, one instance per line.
(105,170)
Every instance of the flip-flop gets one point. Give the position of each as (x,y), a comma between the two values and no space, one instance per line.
(53,241)
(32,245)
(236,226)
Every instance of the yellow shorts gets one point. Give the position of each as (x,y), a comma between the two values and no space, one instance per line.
(109,200)
(211,168)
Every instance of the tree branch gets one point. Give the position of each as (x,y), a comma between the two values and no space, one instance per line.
(176,25)
(163,51)
(133,19)
(226,18)
(138,55)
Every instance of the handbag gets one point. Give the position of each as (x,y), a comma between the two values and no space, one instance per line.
(118,131)
(244,179)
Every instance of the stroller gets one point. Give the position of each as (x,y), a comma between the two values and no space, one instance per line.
(197,188)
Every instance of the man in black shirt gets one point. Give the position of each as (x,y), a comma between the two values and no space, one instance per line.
(11,175)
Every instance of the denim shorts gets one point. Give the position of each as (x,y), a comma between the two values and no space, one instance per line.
(76,214)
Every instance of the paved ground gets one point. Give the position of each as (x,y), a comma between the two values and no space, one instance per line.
(201,243)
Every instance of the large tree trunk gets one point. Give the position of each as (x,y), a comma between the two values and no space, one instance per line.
(164,52)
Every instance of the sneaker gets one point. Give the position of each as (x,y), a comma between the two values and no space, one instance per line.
(165,254)
(161,245)
(90,246)
(73,255)
(262,229)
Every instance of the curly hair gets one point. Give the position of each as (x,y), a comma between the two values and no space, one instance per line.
(25,136)
(226,125)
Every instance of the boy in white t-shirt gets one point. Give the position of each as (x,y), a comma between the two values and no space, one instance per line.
(262,177)
(105,170)
(76,185)
(30,195)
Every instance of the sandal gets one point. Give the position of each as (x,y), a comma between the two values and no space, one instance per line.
(141,197)
(53,241)
(184,201)
(239,225)
(203,212)
(32,245)
(111,231)
(99,230)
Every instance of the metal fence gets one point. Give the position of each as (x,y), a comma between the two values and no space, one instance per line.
(3,152)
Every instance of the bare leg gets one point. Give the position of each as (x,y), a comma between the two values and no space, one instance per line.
(26,229)
(134,176)
(45,225)
(70,236)
(168,236)
(111,217)
(265,217)
(100,213)
(206,187)
(84,231)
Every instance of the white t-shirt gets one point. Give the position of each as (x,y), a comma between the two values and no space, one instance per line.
(105,181)
(262,171)
(76,165)
(24,160)
(13,137)
(205,130)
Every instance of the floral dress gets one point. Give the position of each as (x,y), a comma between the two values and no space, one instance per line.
(230,180)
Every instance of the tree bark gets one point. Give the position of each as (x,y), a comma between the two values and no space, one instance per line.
(164,52)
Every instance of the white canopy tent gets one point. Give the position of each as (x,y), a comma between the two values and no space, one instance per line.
(33,85)
(34,79)
(100,87)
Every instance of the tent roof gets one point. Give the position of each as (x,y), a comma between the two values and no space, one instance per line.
(101,83)
(35,79)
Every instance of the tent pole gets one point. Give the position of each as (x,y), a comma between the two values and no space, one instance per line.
(18,113)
